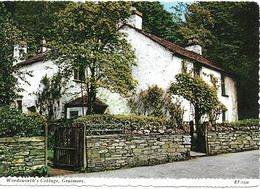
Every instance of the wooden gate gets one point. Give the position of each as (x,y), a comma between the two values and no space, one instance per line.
(69,147)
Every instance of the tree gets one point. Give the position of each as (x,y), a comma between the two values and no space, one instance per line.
(198,23)
(235,47)
(8,36)
(88,39)
(202,96)
(158,21)
(35,20)
(48,97)
(229,34)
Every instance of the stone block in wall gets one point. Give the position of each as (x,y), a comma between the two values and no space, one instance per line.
(21,154)
(136,150)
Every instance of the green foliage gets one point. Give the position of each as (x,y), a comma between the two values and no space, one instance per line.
(8,36)
(176,112)
(158,21)
(201,95)
(244,122)
(130,123)
(50,154)
(87,37)
(156,102)
(197,25)
(48,98)
(149,102)
(229,33)
(35,20)
(43,171)
(236,31)
(13,123)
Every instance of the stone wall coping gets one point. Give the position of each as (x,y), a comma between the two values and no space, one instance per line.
(233,128)
(134,135)
(22,139)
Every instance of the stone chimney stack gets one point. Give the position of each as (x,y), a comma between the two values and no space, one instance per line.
(135,19)
(43,47)
(194,45)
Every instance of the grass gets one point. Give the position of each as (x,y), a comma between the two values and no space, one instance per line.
(50,155)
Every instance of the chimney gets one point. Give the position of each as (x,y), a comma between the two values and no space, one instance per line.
(43,47)
(20,51)
(135,19)
(194,45)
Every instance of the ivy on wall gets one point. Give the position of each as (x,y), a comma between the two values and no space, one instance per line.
(156,102)
(201,95)
(48,98)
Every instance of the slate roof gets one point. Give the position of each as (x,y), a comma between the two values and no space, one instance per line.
(78,102)
(168,45)
(31,60)
(179,50)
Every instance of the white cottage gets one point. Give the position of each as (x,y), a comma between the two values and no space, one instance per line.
(158,61)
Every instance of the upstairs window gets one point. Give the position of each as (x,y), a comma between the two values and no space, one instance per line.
(19,104)
(79,74)
(197,70)
(223,85)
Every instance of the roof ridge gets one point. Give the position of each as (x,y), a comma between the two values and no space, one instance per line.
(178,49)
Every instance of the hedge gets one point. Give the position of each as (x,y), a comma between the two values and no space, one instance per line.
(140,124)
(14,123)
(252,124)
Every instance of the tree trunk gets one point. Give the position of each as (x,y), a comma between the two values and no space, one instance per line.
(91,100)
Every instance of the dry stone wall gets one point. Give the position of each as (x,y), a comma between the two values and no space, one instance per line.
(21,156)
(232,139)
(108,152)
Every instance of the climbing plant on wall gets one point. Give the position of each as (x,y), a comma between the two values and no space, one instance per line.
(158,103)
(201,95)
(50,93)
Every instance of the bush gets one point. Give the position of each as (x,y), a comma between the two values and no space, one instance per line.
(14,123)
(128,122)
(245,122)
(252,124)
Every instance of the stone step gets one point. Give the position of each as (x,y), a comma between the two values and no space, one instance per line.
(194,154)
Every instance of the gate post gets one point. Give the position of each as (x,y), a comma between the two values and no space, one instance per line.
(206,139)
(77,147)
(84,147)
(46,144)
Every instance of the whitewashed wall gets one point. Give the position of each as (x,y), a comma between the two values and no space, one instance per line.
(230,101)
(38,71)
(156,66)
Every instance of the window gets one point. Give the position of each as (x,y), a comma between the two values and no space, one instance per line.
(223,86)
(224,116)
(20,104)
(197,70)
(79,74)
(32,109)
(74,114)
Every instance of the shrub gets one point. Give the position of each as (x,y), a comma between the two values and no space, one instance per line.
(14,123)
(128,122)
(156,102)
(245,124)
